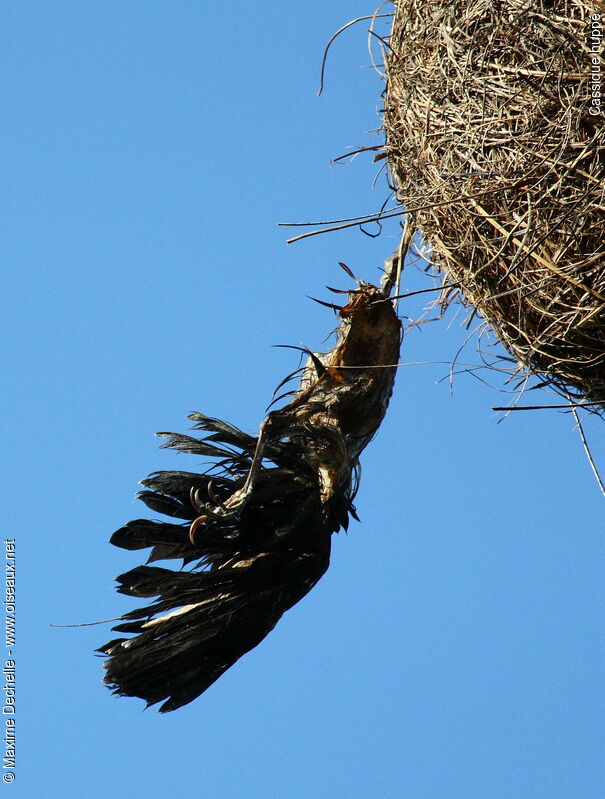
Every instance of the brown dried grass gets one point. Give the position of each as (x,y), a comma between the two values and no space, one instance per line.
(489,133)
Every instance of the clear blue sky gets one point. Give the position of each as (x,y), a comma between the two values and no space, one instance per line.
(454,650)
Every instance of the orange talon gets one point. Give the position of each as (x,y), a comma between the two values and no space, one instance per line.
(194,497)
(194,525)
(213,496)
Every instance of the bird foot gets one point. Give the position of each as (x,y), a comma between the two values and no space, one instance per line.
(219,510)
(233,504)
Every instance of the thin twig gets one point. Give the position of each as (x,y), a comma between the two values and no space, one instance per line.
(352,154)
(566,405)
(364,217)
(334,36)
(425,291)
(595,471)
(371,32)
(378,217)
(89,623)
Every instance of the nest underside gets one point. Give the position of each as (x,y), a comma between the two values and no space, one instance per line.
(493,138)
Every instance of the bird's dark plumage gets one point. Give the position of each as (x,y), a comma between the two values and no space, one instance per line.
(250,568)
(254,530)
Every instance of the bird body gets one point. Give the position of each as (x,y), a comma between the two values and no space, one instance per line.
(256,526)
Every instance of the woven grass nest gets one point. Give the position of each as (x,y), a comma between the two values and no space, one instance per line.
(493,135)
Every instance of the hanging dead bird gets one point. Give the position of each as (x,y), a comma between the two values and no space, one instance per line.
(257,525)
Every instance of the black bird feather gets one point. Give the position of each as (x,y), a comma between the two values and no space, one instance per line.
(254,530)
(250,570)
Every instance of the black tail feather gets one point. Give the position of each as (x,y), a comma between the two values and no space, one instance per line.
(204,621)
(250,569)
